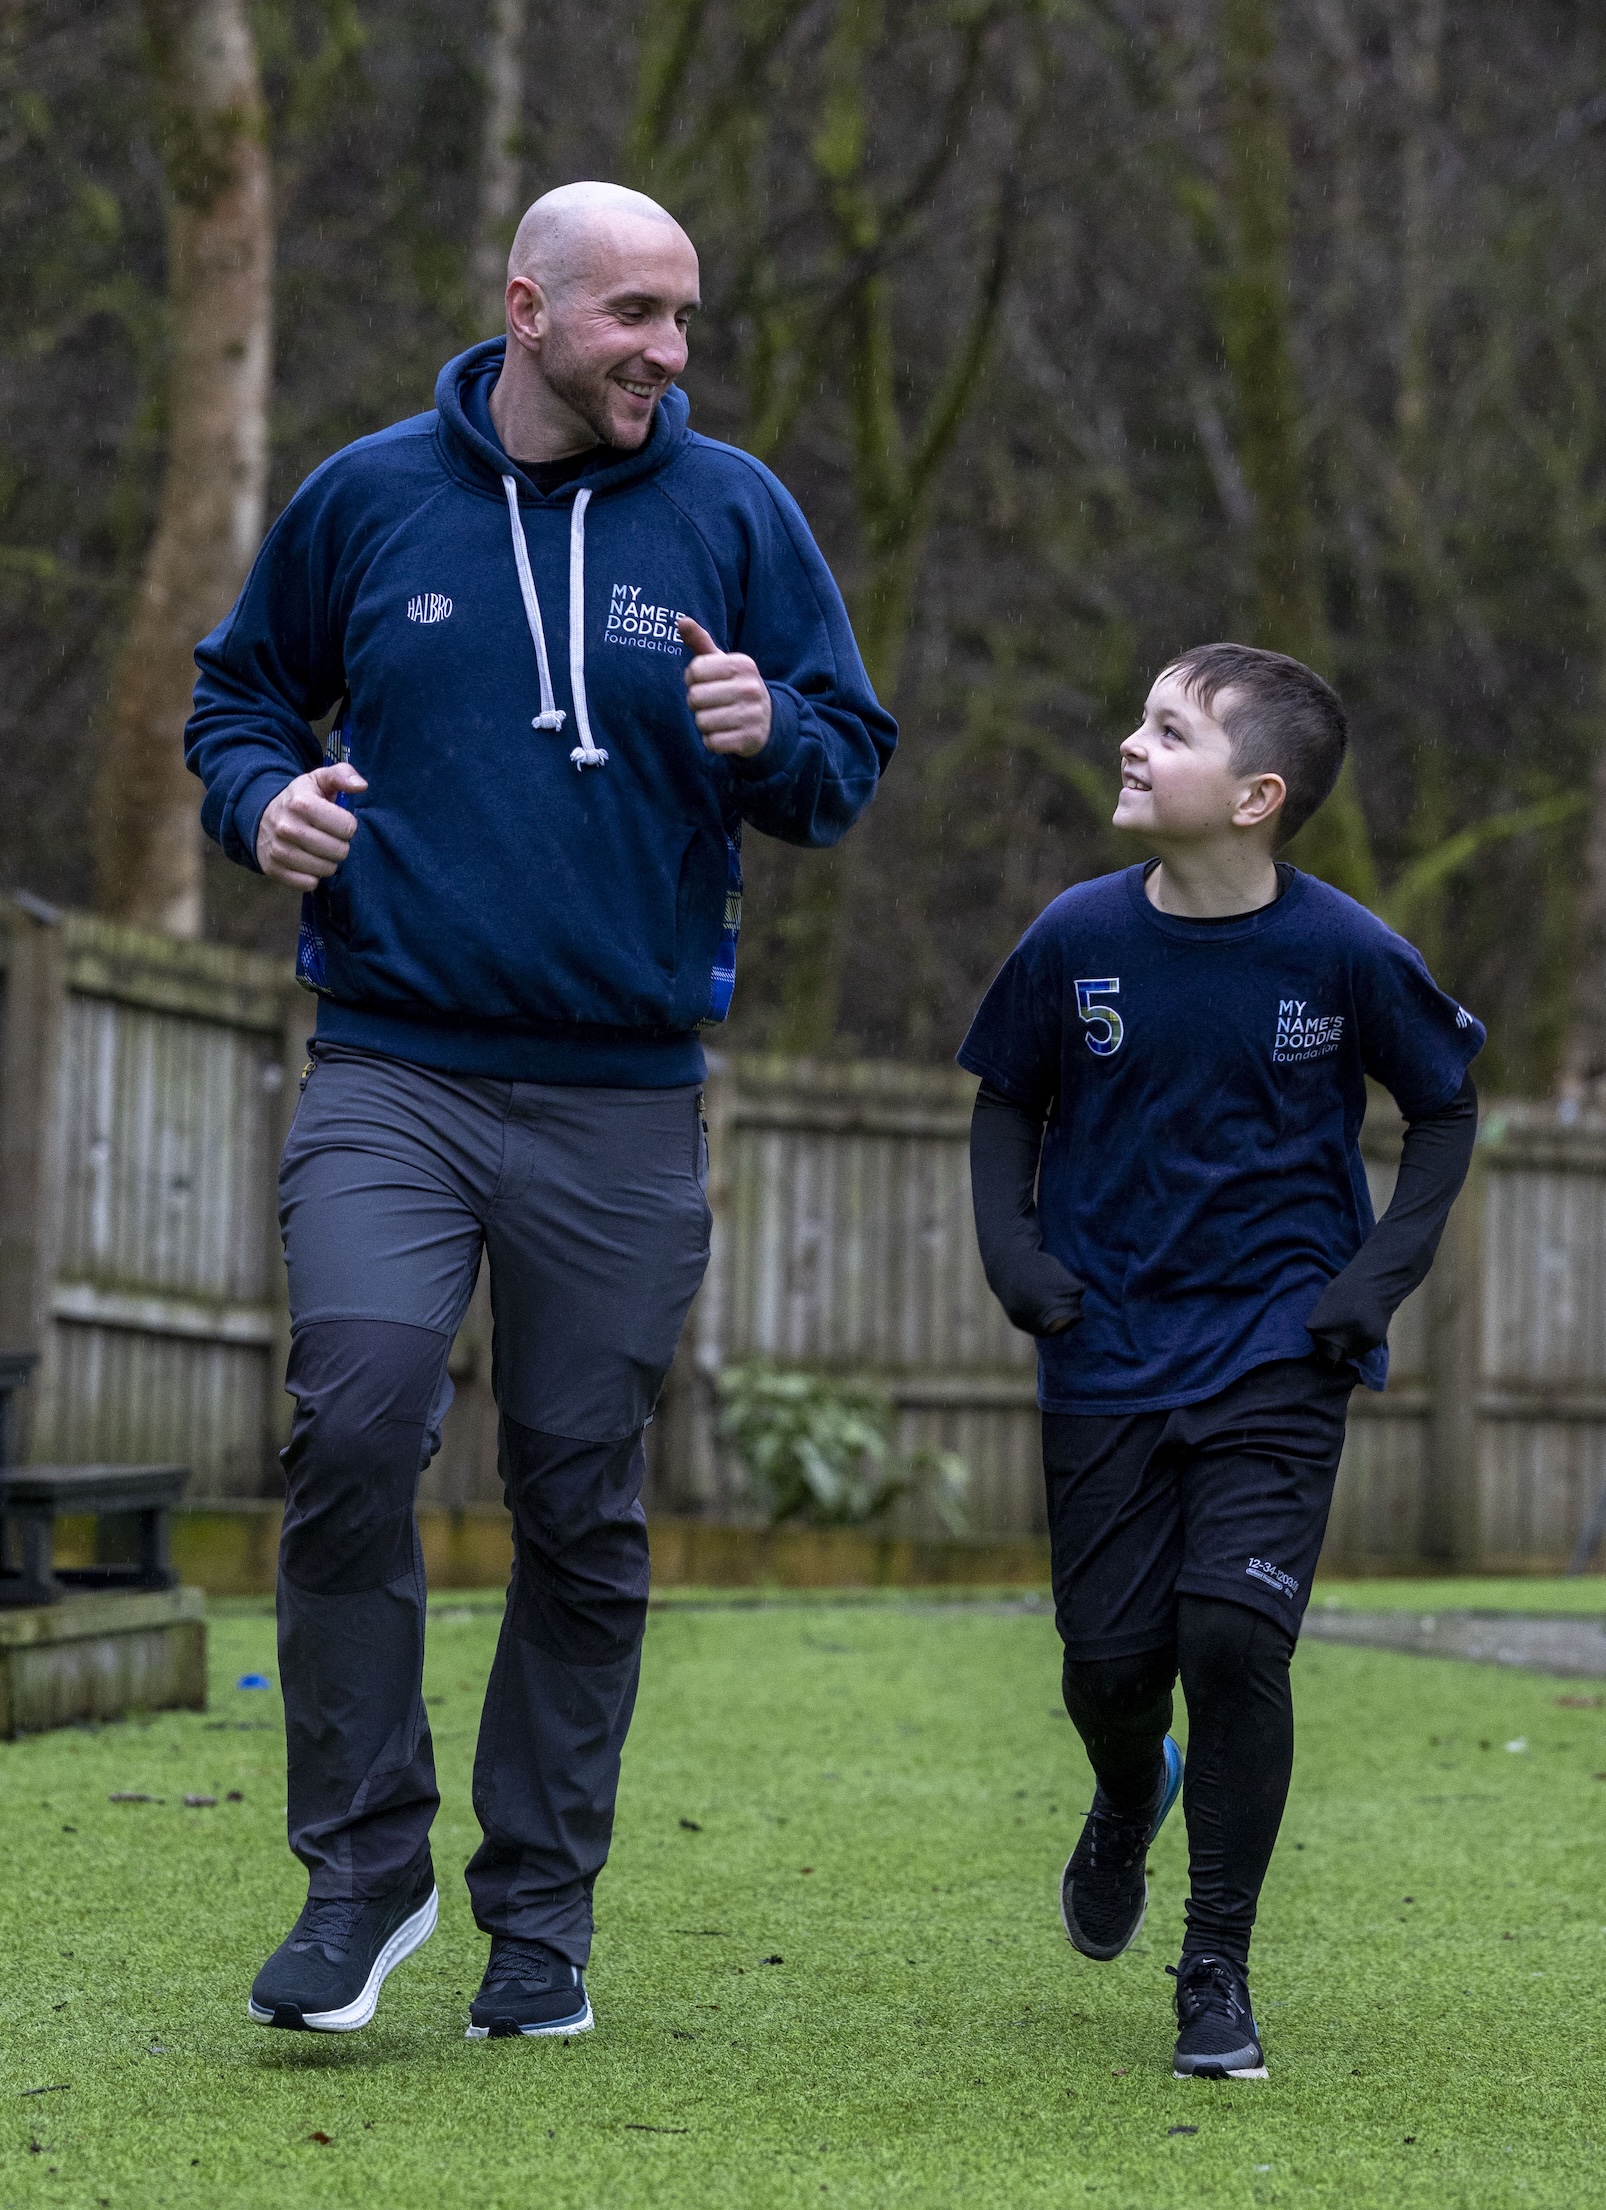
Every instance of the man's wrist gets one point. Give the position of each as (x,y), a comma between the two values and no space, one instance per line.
(777,750)
(251,804)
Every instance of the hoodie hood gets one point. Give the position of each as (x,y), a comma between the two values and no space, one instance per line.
(474,451)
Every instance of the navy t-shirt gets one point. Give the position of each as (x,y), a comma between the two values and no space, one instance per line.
(1205,1084)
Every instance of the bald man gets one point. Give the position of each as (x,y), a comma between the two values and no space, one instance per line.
(564,649)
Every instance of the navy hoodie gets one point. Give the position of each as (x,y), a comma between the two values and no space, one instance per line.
(515,904)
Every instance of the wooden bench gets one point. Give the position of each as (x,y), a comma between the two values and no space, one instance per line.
(15,1367)
(32,1498)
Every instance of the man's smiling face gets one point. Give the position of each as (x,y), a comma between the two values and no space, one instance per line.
(1177,776)
(613,335)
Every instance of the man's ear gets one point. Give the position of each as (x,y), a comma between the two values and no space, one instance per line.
(1263,797)
(528,316)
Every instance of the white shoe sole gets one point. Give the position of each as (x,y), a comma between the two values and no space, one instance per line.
(581,2023)
(411,1934)
(1258,2073)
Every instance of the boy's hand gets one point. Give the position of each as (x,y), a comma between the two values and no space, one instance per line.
(1038,1294)
(303,835)
(1348,1321)
(729,699)
(1045,1305)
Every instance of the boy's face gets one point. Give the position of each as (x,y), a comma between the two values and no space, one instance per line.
(1177,777)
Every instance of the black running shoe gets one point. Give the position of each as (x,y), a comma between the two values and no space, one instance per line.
(528,1989)
(1219,2038)
(1103,1891)
(325,1976)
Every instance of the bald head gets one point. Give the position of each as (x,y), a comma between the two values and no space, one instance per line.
(569,231)
(601,286)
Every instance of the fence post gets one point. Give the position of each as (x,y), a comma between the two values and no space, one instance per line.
(1452,1532)
(30,1139)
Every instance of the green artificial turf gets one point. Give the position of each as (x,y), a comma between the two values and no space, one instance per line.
(828,1966)
(1549,1595)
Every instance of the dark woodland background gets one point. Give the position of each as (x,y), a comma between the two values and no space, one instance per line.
(1082,332)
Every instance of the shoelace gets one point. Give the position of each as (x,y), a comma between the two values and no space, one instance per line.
(328,1922)
(516,1963)
(1208,1983)
(1115,1840)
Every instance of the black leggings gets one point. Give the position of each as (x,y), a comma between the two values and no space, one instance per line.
(1234,1668)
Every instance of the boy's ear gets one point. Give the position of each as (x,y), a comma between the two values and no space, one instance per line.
(1264,796)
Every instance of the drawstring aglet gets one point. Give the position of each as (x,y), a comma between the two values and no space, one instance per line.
(584,759)
(554,718)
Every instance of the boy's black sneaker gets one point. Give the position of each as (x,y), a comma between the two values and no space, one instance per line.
(528,1989)
(1219,2038)
(325,1976)
(1103,1890)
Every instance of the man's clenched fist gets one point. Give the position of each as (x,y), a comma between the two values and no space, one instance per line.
(303,835)
(729,699)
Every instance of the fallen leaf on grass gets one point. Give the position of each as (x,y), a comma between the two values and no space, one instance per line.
(629,2128)
(1579,1703)
(199,1803)
(772,1960)
(690,1826)
(234,1796)
(60,2087)
(69,1830)
(132,1795)
(325,2140)
(1182,2129)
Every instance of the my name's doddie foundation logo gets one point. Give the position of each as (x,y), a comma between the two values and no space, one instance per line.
(1302,1034)
(429,606)
(631,621)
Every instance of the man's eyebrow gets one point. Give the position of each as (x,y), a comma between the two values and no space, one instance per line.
(650,299)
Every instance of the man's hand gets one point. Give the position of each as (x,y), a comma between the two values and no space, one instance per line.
(729,699)
(303,835)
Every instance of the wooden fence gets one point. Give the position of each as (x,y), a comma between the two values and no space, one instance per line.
(145,1087)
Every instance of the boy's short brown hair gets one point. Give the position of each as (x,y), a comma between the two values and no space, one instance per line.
(1283,720)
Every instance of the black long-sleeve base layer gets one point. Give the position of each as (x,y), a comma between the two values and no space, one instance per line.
(1233,1664)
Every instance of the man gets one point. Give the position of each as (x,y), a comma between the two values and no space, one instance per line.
(523,889)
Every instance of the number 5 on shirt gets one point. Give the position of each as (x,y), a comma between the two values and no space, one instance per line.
(1104,1030)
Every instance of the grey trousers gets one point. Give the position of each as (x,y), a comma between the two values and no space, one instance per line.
(590,1205)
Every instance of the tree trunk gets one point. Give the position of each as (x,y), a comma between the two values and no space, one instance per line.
(1582,1075)
(1253,305)
(895,467)
(501,163)
(209,520)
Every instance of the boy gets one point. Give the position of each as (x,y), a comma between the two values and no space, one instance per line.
(1169,1194)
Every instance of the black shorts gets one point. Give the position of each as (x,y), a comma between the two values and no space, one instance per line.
(1226,1498)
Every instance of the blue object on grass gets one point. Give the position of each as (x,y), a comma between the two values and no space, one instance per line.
(253,1680)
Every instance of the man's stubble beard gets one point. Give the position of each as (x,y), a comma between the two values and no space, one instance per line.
(585,393)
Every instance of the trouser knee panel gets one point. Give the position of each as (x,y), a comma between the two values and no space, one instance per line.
(580,1588)
(369,1398)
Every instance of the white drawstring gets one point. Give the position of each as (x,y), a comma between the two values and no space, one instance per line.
(550,716)
(585,753)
